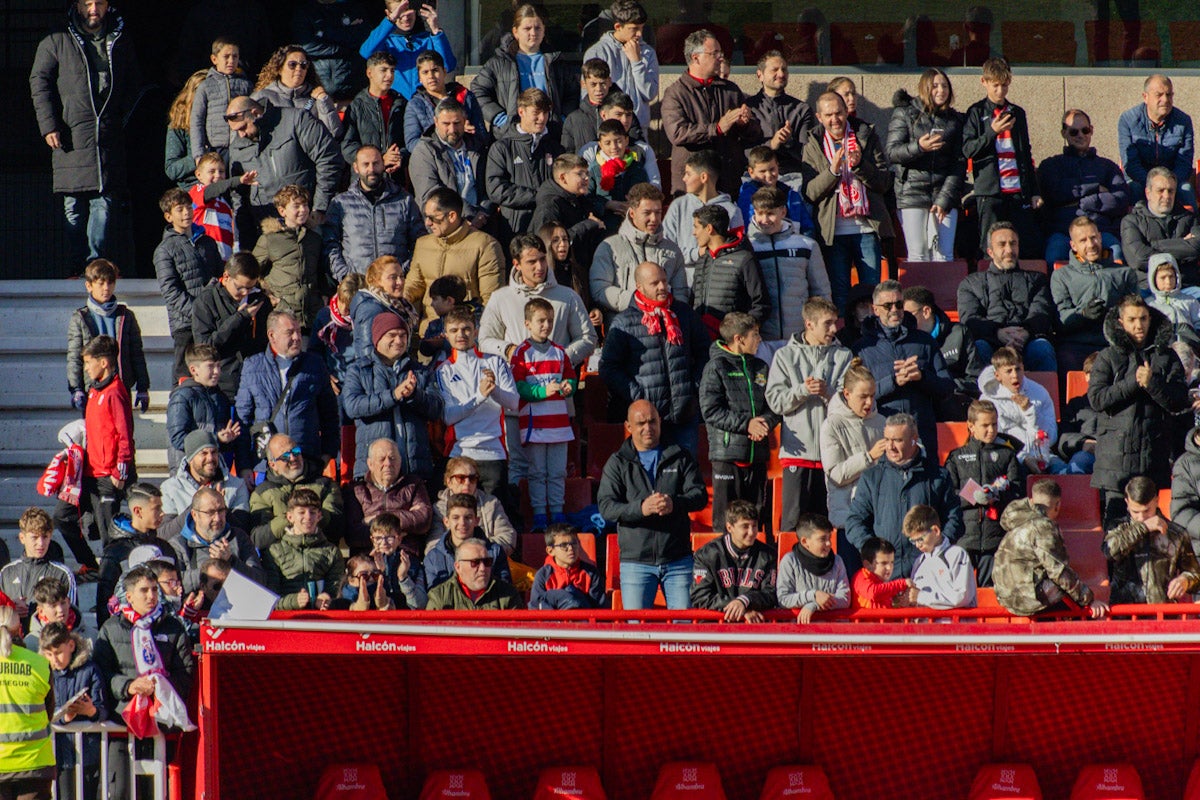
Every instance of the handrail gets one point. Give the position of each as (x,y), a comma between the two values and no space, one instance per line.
(155,766)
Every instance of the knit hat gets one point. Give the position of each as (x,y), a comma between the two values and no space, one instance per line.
(196,441)
(386,321)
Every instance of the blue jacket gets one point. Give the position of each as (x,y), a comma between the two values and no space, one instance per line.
(439,562)
(309,414)
(570,596)
(797,209)
(367,399)
(1071,183)
(195,407)
(406,47)
(82,673)
(1143,147)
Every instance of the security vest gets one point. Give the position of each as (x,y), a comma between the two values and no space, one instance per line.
(25,742)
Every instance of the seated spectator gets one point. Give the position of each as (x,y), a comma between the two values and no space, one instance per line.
(286,81)
(170,591)
(618,107)
(462,477)
(431,92)
(474,588)
(197,404)
(565,197)
(231,315)
(519,162)
(647,489)
(74,672)
(763,173)
(1150,558)
(385,488)
(1006,306)
(52,604)
(207,534)
(956,346)
(374,217)
(942,575)
(287,471)
(1181,310)
(197,605)
(784,122)
(302,567)
(873,586)
(1158,224)
(398,562)
(1025,411)
(447,156)
(615,170)
(632,61)
(1084,290)
(202,466)
(404,37)
(140,528)
(384,291)
(362,588)
(20,576)
(640,239)
(727,276)
(1077,429)
(1157,134)
(892,485)
(699,179)
(736,573)
(461,523)
(567,580)
(1079,182)
(845,177)
(520,64)
(104,315)
(851,441)
(289,252)
(390,396)
(812,577)
(1032,573)
(376,115)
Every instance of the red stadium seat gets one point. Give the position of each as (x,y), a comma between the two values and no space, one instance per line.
(351,782)
(1080,502)
(569,783)
(460,784)
(1048,381)
(1077,384)
(701,539)
(866,42)
(1164,502)
(805,781)
(787,540)
(688,780)
(1108,782)
(796,40)
(1008,781)
(776,486)
(1192,792)
(1123,41)
(940,277)
(950,435)
(612,563)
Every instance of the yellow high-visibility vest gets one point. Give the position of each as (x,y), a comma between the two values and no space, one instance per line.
(25,741)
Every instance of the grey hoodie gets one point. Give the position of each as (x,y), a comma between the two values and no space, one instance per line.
(846,440)
(677,224)
(503,320)
(617,259)
(788,396)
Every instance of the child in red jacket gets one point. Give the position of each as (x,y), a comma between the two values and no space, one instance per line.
(871,587)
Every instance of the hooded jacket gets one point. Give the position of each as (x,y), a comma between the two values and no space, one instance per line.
(218,320)
(1181,310)
(184,264)
(472,255)
(419,115)
(985,463)
(406,498)
(191,551)
(577,586)
(498,83)
(114,655)
(1185,489)
(1012,421)
(1142,562)
(131,359)
(268,505)
(296,560)
(1072,183)
(553,203)
(638,80)
(658,539)
(793,270)
(979,145)
(925,179)
(677,223)
(617,258)
(690,110)
(821,185)
(309,412)
(122,538)
(357,231)
(1143,234)
(179,489)
(721,573)
(846,441)
(1075,287)
(194,407)
(503,320)
(1137,430)
(431,166)
(363,124)
(301,97)
(998,298)
(516,170)
(1031,570)
(207,129)
(729,279)
(802,412)
(292,146)
(733,391)
(291,267)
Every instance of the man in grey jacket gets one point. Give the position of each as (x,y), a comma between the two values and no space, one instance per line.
(453,159)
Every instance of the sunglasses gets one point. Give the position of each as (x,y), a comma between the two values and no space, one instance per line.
(464,477)
(889,306)
(1077,131)
(287,455)
(486,561)
(297,65)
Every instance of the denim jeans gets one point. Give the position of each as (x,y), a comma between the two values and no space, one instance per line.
(1038,356)
(640,582)
(89,223)
(859,250)
(1058,247)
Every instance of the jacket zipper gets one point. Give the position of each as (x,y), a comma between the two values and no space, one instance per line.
(753,410)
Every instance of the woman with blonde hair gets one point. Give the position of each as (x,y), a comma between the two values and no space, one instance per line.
(384,292)
(180,166)
(288,80)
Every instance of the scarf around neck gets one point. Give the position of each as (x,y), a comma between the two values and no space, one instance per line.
(145,651)
(852,194)
(657,316)
(337,322)
(815,565)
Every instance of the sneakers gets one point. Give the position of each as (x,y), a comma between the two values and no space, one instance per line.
(86,574)
(539,523)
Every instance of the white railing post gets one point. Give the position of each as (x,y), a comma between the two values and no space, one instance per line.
(155,767)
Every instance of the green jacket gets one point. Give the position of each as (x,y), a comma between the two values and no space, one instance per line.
(294,561)
(291,265)
(449,595)
(268,506)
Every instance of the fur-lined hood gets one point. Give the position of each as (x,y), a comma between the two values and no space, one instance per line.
(1160,336)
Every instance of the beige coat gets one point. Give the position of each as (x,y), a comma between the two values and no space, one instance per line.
(472,255)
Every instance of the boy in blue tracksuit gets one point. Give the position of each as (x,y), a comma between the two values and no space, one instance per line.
(566,580)
(763,170)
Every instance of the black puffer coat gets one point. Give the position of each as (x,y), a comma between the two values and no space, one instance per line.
(925,179)
(1138,430)
(729,280)
(184,264)
(514,173)
(498,83)
(997,298)
(733,391)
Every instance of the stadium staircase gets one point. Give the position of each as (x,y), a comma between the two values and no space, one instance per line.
(34,402)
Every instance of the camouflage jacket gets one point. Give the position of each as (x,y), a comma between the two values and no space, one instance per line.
(1142,565)
(1031,571)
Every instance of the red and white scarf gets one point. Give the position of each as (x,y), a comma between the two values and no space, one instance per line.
(145,651)
(337,322)
(657,316)
(852,194)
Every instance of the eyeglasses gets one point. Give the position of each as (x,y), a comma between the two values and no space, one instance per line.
(917,539)
(461,477)
(173,583)
(287,455)
(210,512)
(486,561)
(891,305)
(1087,131)
(384,537)
(565,545)
(296,65)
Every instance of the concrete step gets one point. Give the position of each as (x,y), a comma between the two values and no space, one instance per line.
(41,368)
(36,401)
(148,459)
(41,309)
(39,431)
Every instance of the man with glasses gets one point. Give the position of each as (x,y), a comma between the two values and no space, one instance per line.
(462,477)
(473,588)
(385,490)
(702,111)
(909,369)
(206,535)
(202,467)
(287,472)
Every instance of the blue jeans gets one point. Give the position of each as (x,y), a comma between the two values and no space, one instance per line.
(686,435)
(859,250)
(640,582)
(1038,356)
(1058,247)
(89,219)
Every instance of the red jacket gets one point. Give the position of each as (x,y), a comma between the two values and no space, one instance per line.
(871,592)
(108,419)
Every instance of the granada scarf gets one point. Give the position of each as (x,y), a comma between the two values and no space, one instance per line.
(337,322)
(852,194)
(657,316)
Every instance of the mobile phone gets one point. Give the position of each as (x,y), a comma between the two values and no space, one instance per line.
(937,132)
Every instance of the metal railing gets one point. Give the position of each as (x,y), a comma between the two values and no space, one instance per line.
(154,767)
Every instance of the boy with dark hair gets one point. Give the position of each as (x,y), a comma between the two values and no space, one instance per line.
(618,107)
(519,162)
(701,171)
(1149,557)
(567,580)
(400,563)
(18,577)
(941,576)
(208,131)
(376,115)
(873,586)
(733,404)
(579,127)
(426,101)
(727,276)
(289,255)
(445,293)
(198,404)
(762,172)
(104,315)
(632,62)
(74,671)
(812,577)
(185,261)
(1078,429)
(462,523)
(137,529)
(615,170)
(302,566)
(736,573)
(52,603)
(987,466)
(231,315)
(565,198)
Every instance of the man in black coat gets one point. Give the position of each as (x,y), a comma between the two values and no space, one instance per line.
(1158,225)
(956,346)
(231,315)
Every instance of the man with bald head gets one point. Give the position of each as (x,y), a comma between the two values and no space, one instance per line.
(1157,134)
(648,488)
(656,350)
(385,490)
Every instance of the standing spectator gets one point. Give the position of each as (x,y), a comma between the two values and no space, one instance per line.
(448,157)
(103,315)
(1185,488)
(566,269)
(1006,306)
(1158,224)
(432,91)
(287,81)
(520,160)
(579,127)
(231,315)
(374,217)
(84,84)
(1157,134)
(474,587)
(19,576)
(845,176)
(520,65)
(289,253)
(615,170)
(655,351)
(1084,290)
(211,207)
(462,477)
(452,247)
(784,122)
(996,139)
(207,534)
(74,671)
(28,767)
(924,144)
(702,111)
(140,528)
(618,107)
(224,80)
(201,466)
(376,115)
(288,472)
(648,488)
(384,292)
(1149,557)
(910,371)
(1137,387)
(565,197)
(185,261)
(330,31)
(851,441)
(701,176)
(1080,182)
(954,342)
(727,277)
(302,566)
(812,577)
(736,573)
(178,161)
(632,62)
(385,488)
(762,172)
(399,34)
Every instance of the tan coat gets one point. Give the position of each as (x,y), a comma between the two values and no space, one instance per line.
(472,255)
(821,185)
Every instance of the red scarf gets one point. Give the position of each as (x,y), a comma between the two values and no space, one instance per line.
(610,170)
(337,322)
(657,315)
